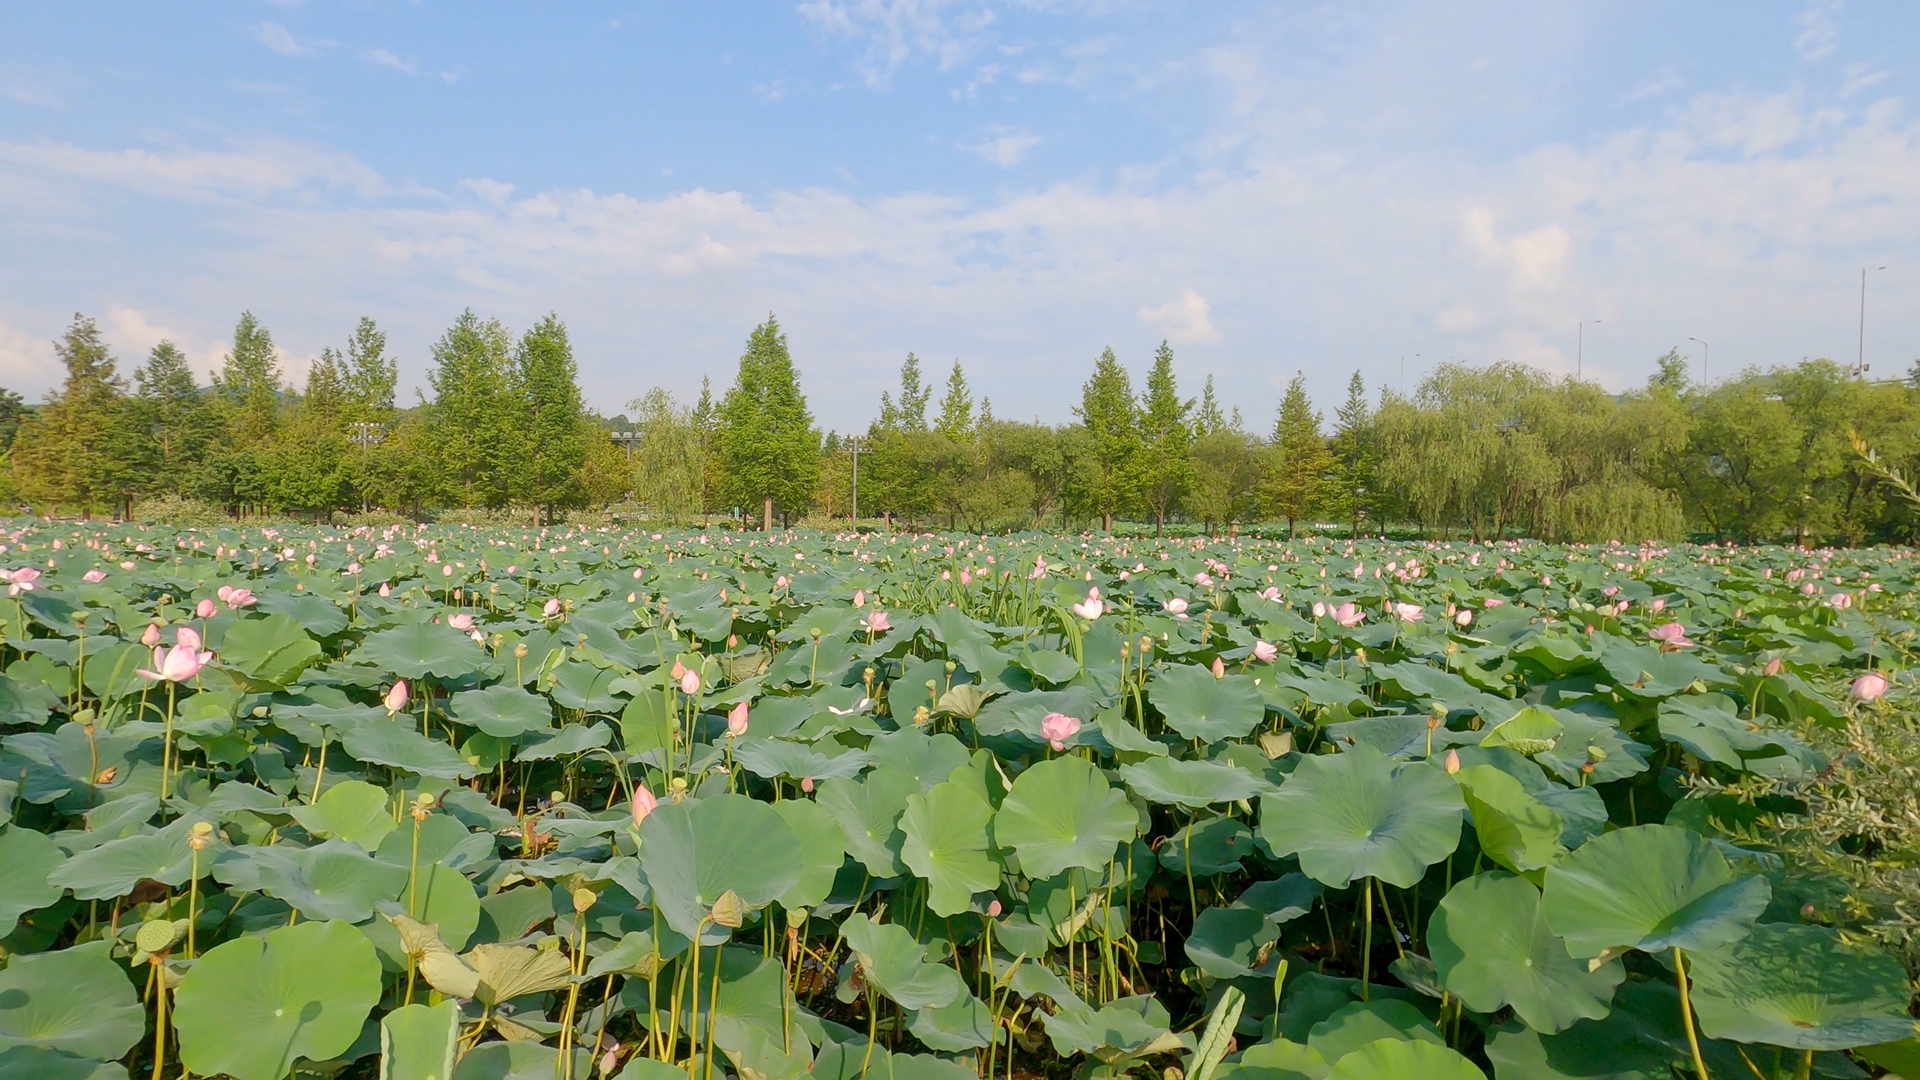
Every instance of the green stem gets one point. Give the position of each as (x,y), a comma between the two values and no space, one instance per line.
(1366,941)
(1686,1013)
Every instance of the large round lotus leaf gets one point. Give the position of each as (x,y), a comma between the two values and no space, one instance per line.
(1226,942)
(692,852)
(1361,1023)
(501,710)
(335,880)
(397,744)
(1515,829)
(1800,987)
(772,758)
(446,899)
(1062,813)
(1210,846)
(1650,887)
(897,965)
(946,844)
(1395,1059)
(352,810)
(316,615)
(1280,1060)
(585,687)
(420,1042)
(1617,1047)
(568,741)
(822,851)
(1490,942)
(963,1024)
(252,1006)
(115,867)
(27,859)
(1192,784)
(1352,815)
(417,650)
(268,653)
(868,810)
(519,1061)
(78,1001)
(931,758)
(1199,706)
(35,1063)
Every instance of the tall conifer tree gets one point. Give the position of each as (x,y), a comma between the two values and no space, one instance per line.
(770,449)
(77,454)
(553,438)
(1297,480)
(1166,463)
(1111,418)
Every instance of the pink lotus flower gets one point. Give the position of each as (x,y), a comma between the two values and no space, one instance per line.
(1670,635)
(551,608)
(1870,687)
(1773,668)
(877,623)
(1349,615)
(1463,617)
(643,804)
(396,699)
(1203,579)
(1319,610)
(1840,601)
(859,597)
(679,669)
(993,909)
(152,635)
(1409,612)
(1265,651)
(1175,607)
(966,577)
(1492,602)
(1219,668)
(737,720)
(806,784)
(180,663)
(1453,762)
(461,621)
(690,683)
(206,609)
(94,577)
(1271,592)
(21,580)
(1057,728)
(386,589)
(1090,608)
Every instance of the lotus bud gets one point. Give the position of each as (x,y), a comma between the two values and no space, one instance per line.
(152,635)
(1870,687)
(396,700)
(550,608)
(386,589)
(1453,762)
(993,908)
(679,669)
(643,804)
(205,609)
(737,720)
(1773,667)
(690,683)
(584,898)
(806,784)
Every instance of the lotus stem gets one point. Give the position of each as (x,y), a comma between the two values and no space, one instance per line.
(1366,941)
(166,751)
(1686,1013)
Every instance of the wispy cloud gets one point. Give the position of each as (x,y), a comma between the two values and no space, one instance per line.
(386,58)
(282,40)
(1005,149)
(1184,319)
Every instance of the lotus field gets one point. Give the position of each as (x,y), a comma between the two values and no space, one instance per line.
(483,803)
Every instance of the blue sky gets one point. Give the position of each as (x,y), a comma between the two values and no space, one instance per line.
(1272,187)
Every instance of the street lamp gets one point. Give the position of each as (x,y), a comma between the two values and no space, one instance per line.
(1706,351)
(1580,349)
(1860,361)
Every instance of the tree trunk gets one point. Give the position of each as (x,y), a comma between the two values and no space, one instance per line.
(766,515)
(1106,522)
(1159,524)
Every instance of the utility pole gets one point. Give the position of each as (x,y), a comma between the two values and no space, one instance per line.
(853,447)
(1580,349)
(1860,360)
(1706,351)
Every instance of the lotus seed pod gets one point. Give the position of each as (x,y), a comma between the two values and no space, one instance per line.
(154,936)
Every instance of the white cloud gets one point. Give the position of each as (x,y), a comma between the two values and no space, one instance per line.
(26,360)
(1182,319)
(133,334)
(1457,320)
(256,171)
(1819,30)
(281,40)
(1534,259)
(894,31)
(386,58)
(1006,149)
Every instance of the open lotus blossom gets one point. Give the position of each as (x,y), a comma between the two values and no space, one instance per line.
(1348,614)
(396,700)
(1492,602)
(94,577)
(235,598)
(1175,606)
(1057,728)
(690,683)
(461,621)
(1203,579)
(1409,612)
(21,580)
(1670,635)
(206,609)
(737,720)
(1090,608)
(643,804)
(1840,601)
(180,663)
(1870,687)
(1266,652)
(858,706)
(877,623)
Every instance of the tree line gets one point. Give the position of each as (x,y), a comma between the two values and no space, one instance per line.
(1482,452)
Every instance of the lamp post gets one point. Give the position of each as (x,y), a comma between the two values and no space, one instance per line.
(1860,360)
(1580,349)
(1706,350)
(854,447)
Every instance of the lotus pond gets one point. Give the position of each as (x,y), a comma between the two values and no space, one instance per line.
(465,803)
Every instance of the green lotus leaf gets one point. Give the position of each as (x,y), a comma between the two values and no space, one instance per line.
(446,899)
(1515,829)
(501,710)
(520,1061)
(771,758)
(1050,665)
(897,965)
(397,744)
(77,1001)
(1361,1023)
(1353,814)
(1228,942)
(1061,813)
(1396,1059)
(1490,942)
(822,851)
(963,1024)
(588,688)
(931,758)
(946,844)
(692,852)
(1199,706)
(1530,731)
(335,880)
(1617,1047)
(420,1042)
(28,860)
(352,810)
(253,1006)
(36,1063)
(1116,1032)
(1650,887)
(316,615)
(868,810)
(1278,1060)
(569,740)
(417,650)
(1192,784)
(1711,728)
(267,653)
(1022,713)
(1210,846)
(1800,987)
(115,867)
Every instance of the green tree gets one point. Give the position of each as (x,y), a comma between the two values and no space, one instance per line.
(1166,440)
(249,383)
(910,412)
(769,447)
(669,465)
(956,409)
(551,439)
(471,421)
(1300,466)
(369,376)
(1107,410)
(1353,453)
(14,411)
(1208,419)
(77,454)
(1226,464)
(176,422)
